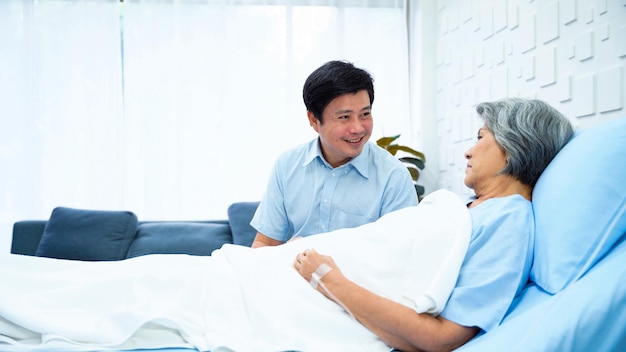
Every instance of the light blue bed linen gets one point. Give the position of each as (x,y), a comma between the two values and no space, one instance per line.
(587,316)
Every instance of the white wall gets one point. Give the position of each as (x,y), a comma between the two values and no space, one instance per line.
(172,109)
(569,53)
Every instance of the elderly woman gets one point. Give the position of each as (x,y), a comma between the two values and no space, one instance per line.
(228,301)
(517,141)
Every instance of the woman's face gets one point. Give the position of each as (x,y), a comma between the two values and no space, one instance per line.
(484,160)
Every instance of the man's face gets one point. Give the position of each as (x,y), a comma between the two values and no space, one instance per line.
(346,128)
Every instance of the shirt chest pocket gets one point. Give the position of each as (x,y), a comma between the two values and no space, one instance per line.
(352,217)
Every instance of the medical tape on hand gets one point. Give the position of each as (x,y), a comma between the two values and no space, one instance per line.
(319,273)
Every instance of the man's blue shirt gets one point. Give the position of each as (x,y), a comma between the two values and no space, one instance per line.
(306,196)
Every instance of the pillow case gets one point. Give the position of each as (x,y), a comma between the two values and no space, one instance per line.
(81,234)
(192,238)
(239,216)
(580,205)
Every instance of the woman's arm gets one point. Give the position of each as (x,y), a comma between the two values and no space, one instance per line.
(396,324)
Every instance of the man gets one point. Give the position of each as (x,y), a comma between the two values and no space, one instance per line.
(339,179)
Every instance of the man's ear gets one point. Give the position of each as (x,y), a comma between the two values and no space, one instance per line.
(313,121)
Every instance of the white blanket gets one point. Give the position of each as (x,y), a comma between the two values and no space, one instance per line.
(239,299)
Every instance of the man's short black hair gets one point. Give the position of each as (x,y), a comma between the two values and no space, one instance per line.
(331,80)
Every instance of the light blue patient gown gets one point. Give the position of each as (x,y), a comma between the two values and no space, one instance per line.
(497,263)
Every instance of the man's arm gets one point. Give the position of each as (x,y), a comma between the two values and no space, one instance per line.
(260,240)
(396,324)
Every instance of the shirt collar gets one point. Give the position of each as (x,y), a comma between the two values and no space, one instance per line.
(360,163)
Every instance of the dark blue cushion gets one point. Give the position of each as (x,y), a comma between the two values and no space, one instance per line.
(194,238)
(26,236)
(87,234)
(239,216)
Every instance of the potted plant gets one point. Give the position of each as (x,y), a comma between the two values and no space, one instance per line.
(415,163)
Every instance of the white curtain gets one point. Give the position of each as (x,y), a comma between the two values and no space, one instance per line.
(173,109)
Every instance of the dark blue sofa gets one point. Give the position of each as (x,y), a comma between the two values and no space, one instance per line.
(83,234)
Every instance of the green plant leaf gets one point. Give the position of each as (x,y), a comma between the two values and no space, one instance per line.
(420,190)
(419,163)
(416,163)
(384,142)
(409,150)
(415,173)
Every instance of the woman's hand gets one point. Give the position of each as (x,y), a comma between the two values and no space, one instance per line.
(309,261)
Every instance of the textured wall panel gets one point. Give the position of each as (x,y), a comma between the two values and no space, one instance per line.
(456,132)
(468,62)
(441,4)
(443,23)
(565,88)
(602,7)
(604,32)
(465,11)
(440,54)
(456,97)
(587,13)
(546,66)
(527,33)
(499,15)
(453,18)
(548,21)
(584,96)
(440,80)
(610,89)
(443,154)
(468,128)
(469,95)
(500,84)
(621,41)
(571,53)
(498,53)
(483,91)
(451,156)
(455,70)
(480,56)
(513,15)
(568,11)
(584,46)
(440,106)
(528,69)
(486,21)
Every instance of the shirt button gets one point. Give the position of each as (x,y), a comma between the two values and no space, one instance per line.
(323,226)
(325,201)
(333,174)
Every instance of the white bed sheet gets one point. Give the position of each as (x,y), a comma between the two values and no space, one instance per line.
(238,299)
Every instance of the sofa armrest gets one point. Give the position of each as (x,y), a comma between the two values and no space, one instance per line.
(239,216)
(26,236)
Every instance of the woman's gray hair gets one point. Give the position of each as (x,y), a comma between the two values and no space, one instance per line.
(530,131)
